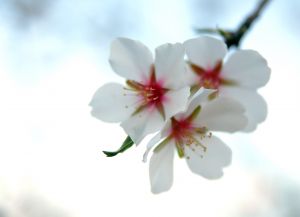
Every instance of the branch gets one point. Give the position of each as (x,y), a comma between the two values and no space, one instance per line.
(233,38)
(236,37)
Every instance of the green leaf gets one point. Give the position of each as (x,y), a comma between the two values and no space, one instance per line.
(126,145)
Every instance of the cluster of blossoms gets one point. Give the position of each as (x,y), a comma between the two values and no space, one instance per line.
(185,93)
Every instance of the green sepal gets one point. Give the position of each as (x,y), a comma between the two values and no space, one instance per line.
(194,89)
(126,145)
(213,95)
(180,150)
(228,82)
(162,144)
(194,114)
(161,110)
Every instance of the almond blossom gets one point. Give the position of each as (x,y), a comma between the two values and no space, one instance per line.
(155,88)
(239,76)
(190,133)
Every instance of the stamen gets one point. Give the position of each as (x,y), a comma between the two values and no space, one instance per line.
(134,85)
(184,132)
(197,143)
(151,93)
(189,141)
(209,134)
(201,130)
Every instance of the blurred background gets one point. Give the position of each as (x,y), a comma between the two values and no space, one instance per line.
(53,57)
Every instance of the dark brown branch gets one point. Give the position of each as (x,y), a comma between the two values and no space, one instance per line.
(234,38)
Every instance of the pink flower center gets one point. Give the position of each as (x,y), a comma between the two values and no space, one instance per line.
(184,132)
(209,78)
(181,129)
(151,93)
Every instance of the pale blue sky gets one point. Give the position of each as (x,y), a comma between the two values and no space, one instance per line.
(54,56)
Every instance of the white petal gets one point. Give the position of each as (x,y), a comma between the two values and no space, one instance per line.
(222,114)
(208,164)
(248,68)
(161,169)
(191,77)
(150,145)
(140,125)
(205,51)
(176,101)
(255,105)
(157,138)
(130,59)
(201,97)
(112,103)
(170,65)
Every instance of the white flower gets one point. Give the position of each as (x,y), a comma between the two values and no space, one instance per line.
(155,91)
(238,77)
(190,133)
